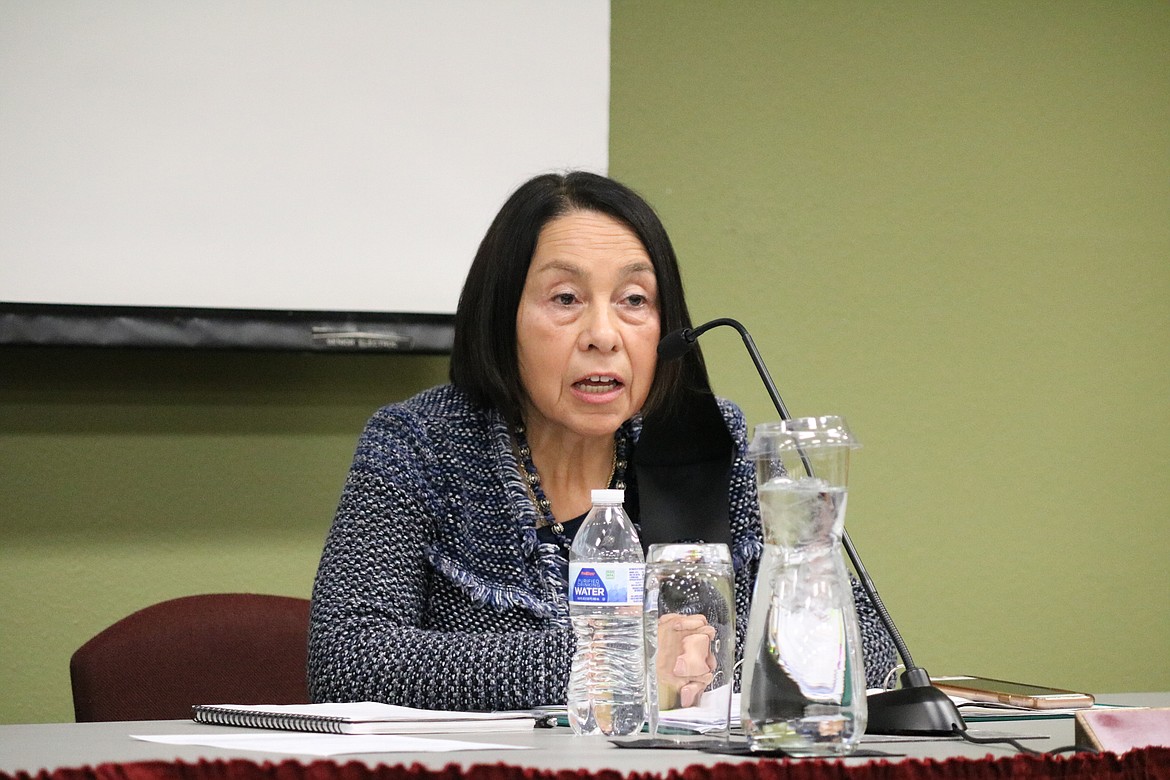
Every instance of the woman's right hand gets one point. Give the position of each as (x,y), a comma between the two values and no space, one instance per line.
(685,664)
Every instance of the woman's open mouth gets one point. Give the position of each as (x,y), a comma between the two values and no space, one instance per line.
(597,384)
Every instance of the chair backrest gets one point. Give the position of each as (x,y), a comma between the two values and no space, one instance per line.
(217,648)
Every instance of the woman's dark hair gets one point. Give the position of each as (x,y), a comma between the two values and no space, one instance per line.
(484,363)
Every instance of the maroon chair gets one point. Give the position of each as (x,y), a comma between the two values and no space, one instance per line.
(217,648)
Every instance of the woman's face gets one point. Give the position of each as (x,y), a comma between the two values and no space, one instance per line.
(587,326)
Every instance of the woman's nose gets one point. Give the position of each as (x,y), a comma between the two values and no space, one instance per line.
(600,331)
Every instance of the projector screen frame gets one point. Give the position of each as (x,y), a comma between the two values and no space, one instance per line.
(68,325)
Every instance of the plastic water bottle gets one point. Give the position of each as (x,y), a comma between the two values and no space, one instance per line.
(607,683)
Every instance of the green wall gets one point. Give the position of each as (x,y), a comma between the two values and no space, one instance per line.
(949,222)
(128,477)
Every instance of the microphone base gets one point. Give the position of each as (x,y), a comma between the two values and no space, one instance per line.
(921,710)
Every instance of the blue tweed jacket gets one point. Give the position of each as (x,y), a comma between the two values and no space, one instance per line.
(433,589)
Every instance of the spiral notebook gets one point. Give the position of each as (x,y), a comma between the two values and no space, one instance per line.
(359,718)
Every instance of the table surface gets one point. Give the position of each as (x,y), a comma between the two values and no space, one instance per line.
(48,746)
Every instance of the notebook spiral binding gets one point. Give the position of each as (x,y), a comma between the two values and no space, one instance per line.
(219,716)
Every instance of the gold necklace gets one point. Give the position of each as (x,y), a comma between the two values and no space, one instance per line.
(617,475)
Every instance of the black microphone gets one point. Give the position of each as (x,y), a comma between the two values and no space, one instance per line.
(915,708)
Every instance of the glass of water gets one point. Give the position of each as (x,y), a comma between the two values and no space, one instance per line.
(689,612)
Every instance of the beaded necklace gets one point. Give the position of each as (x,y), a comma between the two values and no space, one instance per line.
(617,476)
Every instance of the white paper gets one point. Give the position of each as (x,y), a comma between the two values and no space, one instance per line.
(710,715)
(308,744)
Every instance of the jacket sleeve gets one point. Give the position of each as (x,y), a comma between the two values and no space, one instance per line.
(747,540)
(374,586)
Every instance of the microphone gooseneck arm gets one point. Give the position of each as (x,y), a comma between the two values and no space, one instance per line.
(907,714)
(688,337)
(691,335)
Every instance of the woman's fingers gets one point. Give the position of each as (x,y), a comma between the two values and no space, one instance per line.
(696,659)
(678,622)
(689,694)
(686,662)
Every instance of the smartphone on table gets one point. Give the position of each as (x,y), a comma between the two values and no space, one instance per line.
(1038,697)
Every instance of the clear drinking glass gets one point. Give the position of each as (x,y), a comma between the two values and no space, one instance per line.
(689,612)
(804,681)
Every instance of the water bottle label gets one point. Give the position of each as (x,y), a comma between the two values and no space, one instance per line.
(606,583)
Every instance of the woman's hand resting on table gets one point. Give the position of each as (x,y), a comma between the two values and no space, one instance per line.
(685,663)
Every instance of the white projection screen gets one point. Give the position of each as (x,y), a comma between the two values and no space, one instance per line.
(275,174)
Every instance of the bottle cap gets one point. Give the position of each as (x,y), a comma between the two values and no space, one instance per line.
(608,496)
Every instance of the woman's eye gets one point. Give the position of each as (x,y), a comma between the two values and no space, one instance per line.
(637,299)
(565,299)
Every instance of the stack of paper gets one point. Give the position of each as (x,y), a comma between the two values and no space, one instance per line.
(359,718)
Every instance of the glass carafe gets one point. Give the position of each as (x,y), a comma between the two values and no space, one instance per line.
(803,682)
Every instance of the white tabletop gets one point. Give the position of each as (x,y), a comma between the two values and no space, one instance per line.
(51,746)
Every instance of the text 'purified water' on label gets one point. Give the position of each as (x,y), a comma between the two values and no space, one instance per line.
(606,583)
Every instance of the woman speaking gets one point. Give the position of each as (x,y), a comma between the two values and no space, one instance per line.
(443,582)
